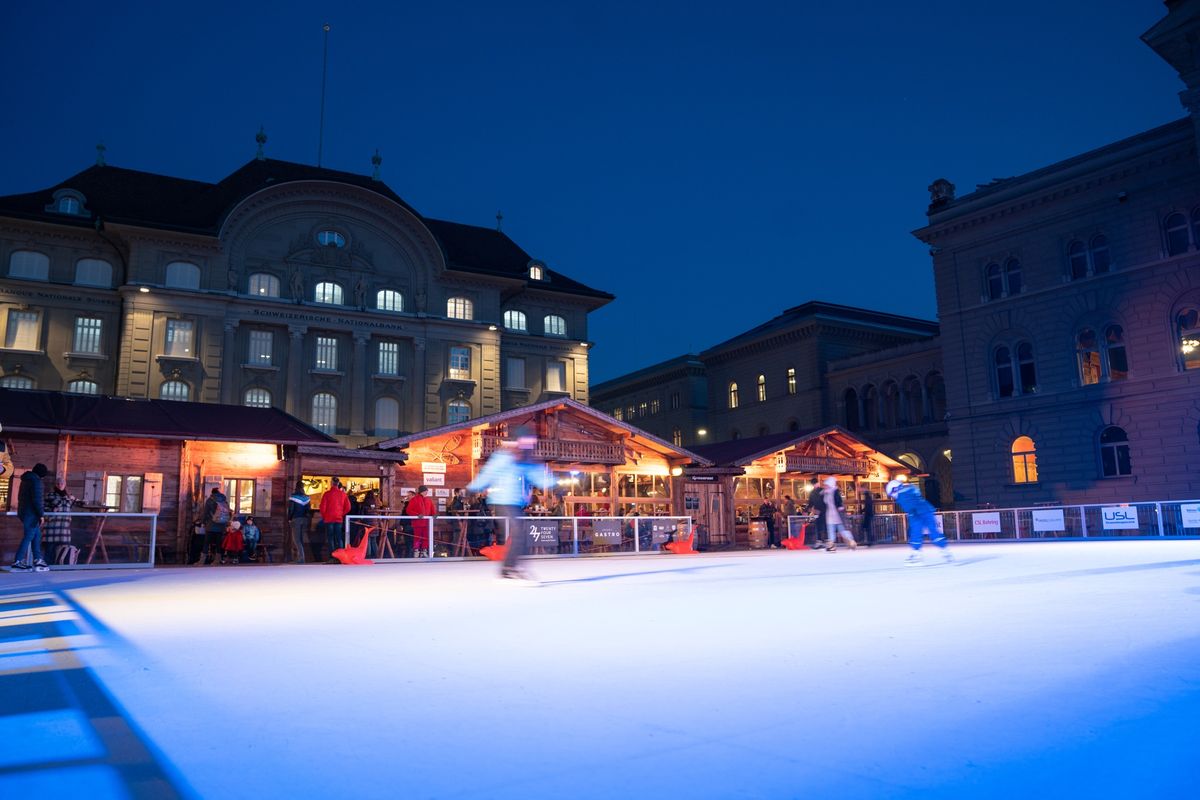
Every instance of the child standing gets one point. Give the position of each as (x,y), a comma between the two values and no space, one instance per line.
(232,545)
(251,536)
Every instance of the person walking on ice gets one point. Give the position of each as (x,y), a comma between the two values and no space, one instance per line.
(922,520)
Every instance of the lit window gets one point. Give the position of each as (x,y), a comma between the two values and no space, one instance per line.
(389,300)
(1114,453)
(324,412)
(556,379)
(515,374)
(1176,229)
(22,333)
(29,265)
(93,272)
(762,388)
(327,292)
(264,285)
(1024,460)
(554,325)
(257,398)
(87,335)
(175,390)
(457,411)
(1187,332)
(261,348)
(326,356)
(515,320)
(643,408)
(791,380)
(677,437)
(123,493)
(16,382)
(460,364)
(331,239)
(389,358)
(733,395)
(183,275)
(179,339)
(387,417)
(536,273)
(83,387)
(460,308)
(1088,350)
(619,413)
(240,492)
(655,406)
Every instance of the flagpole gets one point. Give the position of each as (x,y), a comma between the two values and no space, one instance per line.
(324,67)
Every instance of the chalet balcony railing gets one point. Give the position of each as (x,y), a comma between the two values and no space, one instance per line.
(826,465)
(561,450)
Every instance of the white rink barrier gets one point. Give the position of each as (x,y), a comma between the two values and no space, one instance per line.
(93,539)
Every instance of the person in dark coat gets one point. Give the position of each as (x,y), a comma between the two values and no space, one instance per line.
(31,508)
(868,515)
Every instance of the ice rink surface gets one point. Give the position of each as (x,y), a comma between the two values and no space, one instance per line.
(1051,669)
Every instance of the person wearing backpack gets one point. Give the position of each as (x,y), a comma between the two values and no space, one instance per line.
(217,516)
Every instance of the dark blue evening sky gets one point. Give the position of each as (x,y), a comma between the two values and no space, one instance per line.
(711,164)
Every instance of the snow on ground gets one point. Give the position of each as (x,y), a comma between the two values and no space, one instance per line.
(1039,669)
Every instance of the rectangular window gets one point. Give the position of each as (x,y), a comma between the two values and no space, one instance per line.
(326,353)
(655,406)
(791,380)
(515,379)
(556,377)
(260,348)
(179,339)
(240,492)
(460,364)
(22,331)
(389,358)
(674,400)
(87,335)
(123,493)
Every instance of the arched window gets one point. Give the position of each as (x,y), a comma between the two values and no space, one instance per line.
(1114,453)
(1099,253)
(183,275)
(870,408)
(677,437)
(30,265)
(460,308)
(1005,384)
(328,292)
(1175,227)
(891,404)
(1187,332)
(1087,349)
(387,417)
(762,388)
(389,300)
(935,390)
(1024,460)
(175,390)
(93,272)
(995,282)
(733,395)
(913,460)
(331,239)
(16,382)
(1026,368)
(457,411)
(1114,350)
(257,398)
(83,387)
(324,412)
(67,205)
(913,407)
(515,320)
(851,401)
(1012,276)
(536,273)
(263,285)
(554,325)
(1078,258)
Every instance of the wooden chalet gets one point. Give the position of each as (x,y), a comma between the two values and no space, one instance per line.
(725,495)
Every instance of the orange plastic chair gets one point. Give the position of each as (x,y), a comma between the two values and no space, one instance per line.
(682,548)
(494,552)
(796,542)
(357,554)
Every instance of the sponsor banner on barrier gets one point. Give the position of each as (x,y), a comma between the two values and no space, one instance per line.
(1119,518)
(660,532)
(543,533)
(941,524)
(433,479)
(1048,520)
(606,531)
(987,522)
(1191,515)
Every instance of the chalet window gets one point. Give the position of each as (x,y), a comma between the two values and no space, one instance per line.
(240,492)
(123,493)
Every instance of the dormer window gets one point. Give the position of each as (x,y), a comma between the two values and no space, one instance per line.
(67,201)
(536,272)
(331,239)
(67,205)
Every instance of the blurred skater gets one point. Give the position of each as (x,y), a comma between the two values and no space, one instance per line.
(922,520)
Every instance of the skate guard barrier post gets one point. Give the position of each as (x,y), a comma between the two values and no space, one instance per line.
(461,537)
(99,539)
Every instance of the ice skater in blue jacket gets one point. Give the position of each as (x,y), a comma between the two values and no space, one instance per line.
(922,520)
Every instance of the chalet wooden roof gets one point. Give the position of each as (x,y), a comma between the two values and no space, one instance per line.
(741,452)
(34,411)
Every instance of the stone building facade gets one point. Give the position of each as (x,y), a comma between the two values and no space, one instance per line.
(319,292)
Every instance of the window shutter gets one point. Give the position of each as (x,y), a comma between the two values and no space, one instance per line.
(262,498)
(152,492)
(93,488)
(211,482)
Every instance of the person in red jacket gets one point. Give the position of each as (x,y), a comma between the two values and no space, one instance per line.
(419,505)
(335,505)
